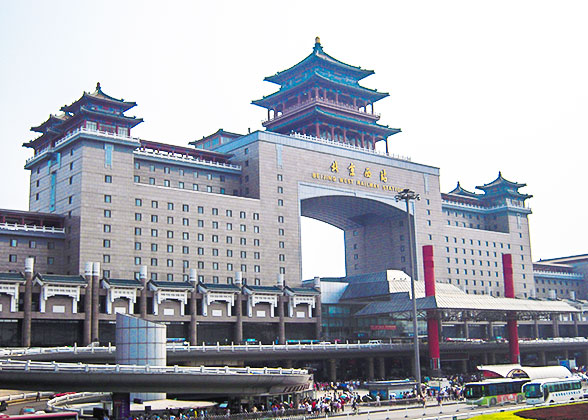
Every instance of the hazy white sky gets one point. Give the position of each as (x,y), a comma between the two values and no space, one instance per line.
(476,86)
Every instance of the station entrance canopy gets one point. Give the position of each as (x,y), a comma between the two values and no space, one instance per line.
(452,301)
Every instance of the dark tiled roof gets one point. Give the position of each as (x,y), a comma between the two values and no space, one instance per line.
(365,290)
(172,284)
(11,277)
(61,278)
(264,289)
(220,287)
(124,282)
(304,290)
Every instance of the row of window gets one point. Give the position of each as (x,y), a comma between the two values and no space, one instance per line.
(14,258)
(31,243)
(182,172)
(487,243)
(464,251)
(200,223)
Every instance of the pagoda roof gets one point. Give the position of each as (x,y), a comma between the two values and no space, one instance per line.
(318,58)
(458,190)
(218,133)
(381,129)
(133,121)
(50,122)
(500,181)
(302,291)
(318,76)
(100,96)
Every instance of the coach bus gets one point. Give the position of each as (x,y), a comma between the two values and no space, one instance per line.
(495,391)
(553,390)
(63,415)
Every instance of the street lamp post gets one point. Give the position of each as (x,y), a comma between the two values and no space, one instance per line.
(408,195)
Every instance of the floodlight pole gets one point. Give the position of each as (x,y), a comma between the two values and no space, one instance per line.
(408,195)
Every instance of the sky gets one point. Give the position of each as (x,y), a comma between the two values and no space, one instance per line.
(475,86)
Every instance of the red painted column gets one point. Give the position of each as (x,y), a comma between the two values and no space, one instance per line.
(318,133)
(432,320)
(512,326)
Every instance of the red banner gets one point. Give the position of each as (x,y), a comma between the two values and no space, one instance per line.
(382,327)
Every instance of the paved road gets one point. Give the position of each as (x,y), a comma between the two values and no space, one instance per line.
(447,411)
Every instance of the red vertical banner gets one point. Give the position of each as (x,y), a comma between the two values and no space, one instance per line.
(432,321)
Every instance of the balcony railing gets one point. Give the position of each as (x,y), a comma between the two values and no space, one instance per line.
(349,146)
(31,228)
(344,107)
(183,158)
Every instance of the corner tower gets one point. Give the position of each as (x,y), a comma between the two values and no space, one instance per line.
(321,97)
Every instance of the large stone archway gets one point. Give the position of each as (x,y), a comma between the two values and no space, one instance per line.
(376,235)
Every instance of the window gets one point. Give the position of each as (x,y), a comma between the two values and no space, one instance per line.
(186,236)
(200,251)
(214,238)
(243,241)
(106,243)
(154,218)
(12,258)
(108,179)
(208,188)
(280,202)
(137,246)
(281,232)
(137,165)
(137,260)
(170,206)
(185,250)
(209,176)
(195,187)
(229,226)
(255,216)
(154,233)
(170,263)
(50,245)
(280,178)
(151,181)
(166,182)
(166,170)
(153,247)
(138,217)
(243,228)
(200,223)
(256,229)
(242,215)
(154,262)
(136,178)
(256,242)
(170,248)
(229,239)
(200,210)
(185,207)
(138,202)
(185,222)
(14,243)
(280,190)
(154,204)
(229,252)
(243,254)
(32,244)
(170,220)
(229,213)
(107,228)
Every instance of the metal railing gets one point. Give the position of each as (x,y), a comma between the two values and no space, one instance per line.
(183,158)
(349,146)
(31,228)
(32,366)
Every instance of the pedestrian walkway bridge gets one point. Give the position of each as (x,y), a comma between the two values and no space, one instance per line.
(16,374)
(177,353)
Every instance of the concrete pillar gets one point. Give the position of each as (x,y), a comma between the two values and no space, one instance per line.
(381,368)
(95,301)
(484,358)
(536,327)
(319,310)
(576,329)
(491,358)
(238,336)
(555,323)
(542,358)
(28,302)
(585,354)
(466,328)
(193,311)
(464,366)
(288,364)
(88,304)
(370,368)
(281,316)
(143,300)
(332,370)
(566,354)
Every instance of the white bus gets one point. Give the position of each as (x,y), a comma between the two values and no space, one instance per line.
(552,390)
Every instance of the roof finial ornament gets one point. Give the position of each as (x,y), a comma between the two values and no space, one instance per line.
(317,44)
(97,85)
